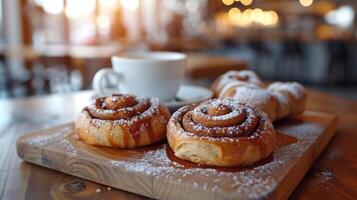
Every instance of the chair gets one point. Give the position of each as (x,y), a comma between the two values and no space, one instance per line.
(57,66)
(338,61)
(292,59)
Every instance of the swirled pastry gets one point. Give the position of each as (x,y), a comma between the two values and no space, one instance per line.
(278,100)
(256,97)
(221,132)
(122,121)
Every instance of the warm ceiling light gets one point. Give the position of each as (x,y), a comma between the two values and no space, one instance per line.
(268,19)
(249,14)
(245,20)
(108,3)
(306,3)
(53,7)
(234,14)
(246,2)
(227,2)
(130,4)
(246,16)
(258,15)
(79,8)
(103,21)
(274,16)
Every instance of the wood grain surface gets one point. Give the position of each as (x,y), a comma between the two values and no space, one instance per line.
(155,172)
(203,66)
(332,176)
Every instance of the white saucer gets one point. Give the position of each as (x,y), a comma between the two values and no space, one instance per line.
(188,94)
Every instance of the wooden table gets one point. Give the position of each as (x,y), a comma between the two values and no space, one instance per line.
(203,66)
(333,176)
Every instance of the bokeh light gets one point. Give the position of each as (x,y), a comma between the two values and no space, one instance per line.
(234,14)
(306,3)
(227,2)
(246,2)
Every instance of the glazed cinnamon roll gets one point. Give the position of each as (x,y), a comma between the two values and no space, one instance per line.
(122,121)
(221,132)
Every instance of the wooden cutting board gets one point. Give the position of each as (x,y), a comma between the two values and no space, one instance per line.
(155,172)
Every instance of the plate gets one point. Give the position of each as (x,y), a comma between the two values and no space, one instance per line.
(188,94)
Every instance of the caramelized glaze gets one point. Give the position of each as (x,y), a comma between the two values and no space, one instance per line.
(133,118)
(285,139)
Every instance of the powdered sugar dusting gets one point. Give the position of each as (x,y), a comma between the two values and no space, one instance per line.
(68,147)
(201,109)
(254,182)
(254,122)
(324,178)
(232,84)
(150,111)
(49,136)
(278,100)
(257,181)
(326,175)
(296,89)
(254,96)
(242,76)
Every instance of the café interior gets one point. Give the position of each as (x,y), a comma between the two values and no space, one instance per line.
(235,99)
(56,46)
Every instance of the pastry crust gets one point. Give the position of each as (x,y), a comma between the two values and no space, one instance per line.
(256,97)
(278,100)
(122,121)
(294,93)
(243,76)
(221,132)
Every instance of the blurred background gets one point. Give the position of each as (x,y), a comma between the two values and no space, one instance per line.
(56,46)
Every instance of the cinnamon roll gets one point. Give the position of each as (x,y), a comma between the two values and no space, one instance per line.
(221,132)
(122,121)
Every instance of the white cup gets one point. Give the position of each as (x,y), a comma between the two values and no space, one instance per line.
(152,74)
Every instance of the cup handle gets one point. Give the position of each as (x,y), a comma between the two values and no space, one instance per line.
(98,85)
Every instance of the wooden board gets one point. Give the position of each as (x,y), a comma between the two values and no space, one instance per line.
(155,172)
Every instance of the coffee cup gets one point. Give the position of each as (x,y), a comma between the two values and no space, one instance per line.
(151,74)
